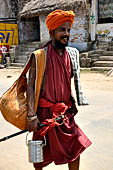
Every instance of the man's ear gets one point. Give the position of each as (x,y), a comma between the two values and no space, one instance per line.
(51,33)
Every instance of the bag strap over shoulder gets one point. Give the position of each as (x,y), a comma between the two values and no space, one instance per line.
(40,56)
(40,53)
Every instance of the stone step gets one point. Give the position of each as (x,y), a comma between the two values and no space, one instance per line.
(98,51)
(101,68)
(102,58)
(95,56)
(86,54)
(103,64)
(108,53)
(111,43)
(106,58)
(24,57)
(26,53)
(91,53)
(31,46)
(23,52)
(103,43)
(28,49)
(17,65)
(110,48)
(35,43)
(102,46)
(20,61)
(14,67)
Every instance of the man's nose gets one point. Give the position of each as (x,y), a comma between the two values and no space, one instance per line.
(67,32)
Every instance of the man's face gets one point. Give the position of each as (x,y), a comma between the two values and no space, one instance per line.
(60,36)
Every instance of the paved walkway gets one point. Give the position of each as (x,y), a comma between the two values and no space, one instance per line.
(96,120)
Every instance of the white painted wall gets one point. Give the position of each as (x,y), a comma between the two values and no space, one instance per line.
(44,34)
(79,31)
(105,32)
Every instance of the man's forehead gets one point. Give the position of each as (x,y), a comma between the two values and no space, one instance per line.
(65,25)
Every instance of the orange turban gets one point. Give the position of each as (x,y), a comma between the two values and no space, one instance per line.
(59,17)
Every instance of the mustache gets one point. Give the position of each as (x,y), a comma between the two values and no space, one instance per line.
(62,37)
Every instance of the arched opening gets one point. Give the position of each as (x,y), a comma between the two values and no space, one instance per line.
(29,29)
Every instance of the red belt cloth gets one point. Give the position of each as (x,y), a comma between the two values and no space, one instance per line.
(57,109)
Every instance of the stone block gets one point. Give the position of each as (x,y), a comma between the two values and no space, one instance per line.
(85,55)
(83,62)
(88,62)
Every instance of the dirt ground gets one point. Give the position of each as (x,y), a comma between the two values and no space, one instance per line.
(89,79)
(95,119)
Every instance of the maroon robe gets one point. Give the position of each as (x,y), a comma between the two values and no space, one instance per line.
(66,142)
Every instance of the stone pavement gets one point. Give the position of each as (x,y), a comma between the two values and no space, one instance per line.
(96,120)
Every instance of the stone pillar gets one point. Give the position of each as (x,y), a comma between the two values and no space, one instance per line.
(93,19)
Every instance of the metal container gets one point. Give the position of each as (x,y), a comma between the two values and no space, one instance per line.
(35,150)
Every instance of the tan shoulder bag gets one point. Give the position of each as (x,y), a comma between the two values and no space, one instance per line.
(13,103)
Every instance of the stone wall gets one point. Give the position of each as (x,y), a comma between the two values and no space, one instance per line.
(80,27)
(8,9)
(5,9)
(80,31)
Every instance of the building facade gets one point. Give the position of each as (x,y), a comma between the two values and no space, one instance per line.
(80,35)
(93,20)
(101,22)
(8,24)
(105,20)
(8,11)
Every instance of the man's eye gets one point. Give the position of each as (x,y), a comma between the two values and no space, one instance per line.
(62,30)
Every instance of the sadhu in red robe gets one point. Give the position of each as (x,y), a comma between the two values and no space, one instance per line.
(66,142)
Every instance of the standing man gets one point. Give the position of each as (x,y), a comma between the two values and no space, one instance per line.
(65,140)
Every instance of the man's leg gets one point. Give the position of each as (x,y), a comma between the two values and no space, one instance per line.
(38,168)
(74,165)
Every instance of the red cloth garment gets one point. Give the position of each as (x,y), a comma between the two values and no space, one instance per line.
(57,109)
(65,142)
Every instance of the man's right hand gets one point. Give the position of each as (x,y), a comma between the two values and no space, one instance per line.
(32,125)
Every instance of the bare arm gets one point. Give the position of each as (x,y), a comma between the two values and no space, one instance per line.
(31,125)
(30,88)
